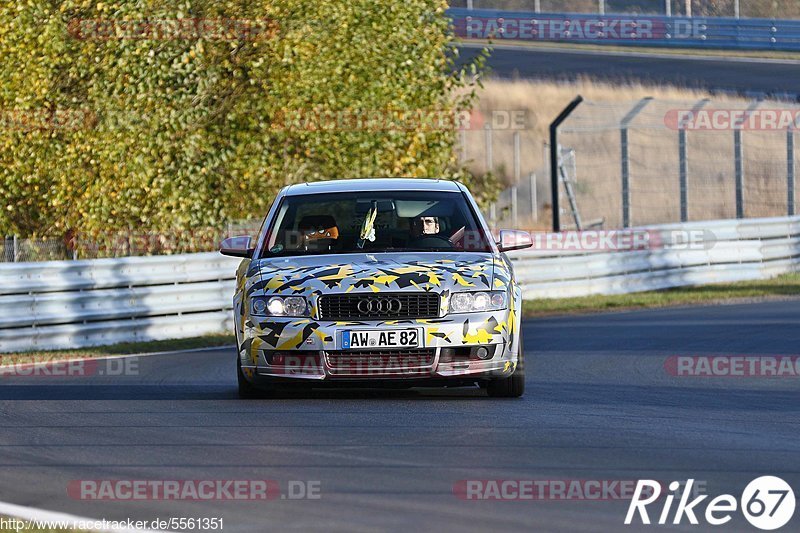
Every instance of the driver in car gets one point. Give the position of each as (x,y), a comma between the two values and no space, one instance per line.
(424,226)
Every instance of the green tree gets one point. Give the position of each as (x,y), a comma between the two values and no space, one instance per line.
(108,125)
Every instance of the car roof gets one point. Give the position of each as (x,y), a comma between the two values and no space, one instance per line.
(372,184)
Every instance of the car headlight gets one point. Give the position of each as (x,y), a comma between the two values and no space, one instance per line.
(467,302)
(279,306)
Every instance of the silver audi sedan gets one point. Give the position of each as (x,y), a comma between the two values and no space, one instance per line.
(377,282)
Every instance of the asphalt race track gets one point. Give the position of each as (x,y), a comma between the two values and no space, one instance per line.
(599,406)
(728,75)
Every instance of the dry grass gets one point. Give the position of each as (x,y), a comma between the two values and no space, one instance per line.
(542,101)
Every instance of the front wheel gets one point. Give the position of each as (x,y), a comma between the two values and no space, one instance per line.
(247,391)
(512,386)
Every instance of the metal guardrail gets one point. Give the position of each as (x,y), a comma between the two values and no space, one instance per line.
(628,29)
(740,250)
(72,304)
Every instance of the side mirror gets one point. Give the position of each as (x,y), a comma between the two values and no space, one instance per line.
(236,247)
(512,239)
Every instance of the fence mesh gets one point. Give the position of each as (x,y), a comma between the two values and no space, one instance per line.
(730,156)
(650,161)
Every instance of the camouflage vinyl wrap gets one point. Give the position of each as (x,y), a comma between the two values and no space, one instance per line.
(314,276)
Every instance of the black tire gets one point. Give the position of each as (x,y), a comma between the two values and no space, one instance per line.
(247,391)
(512,386)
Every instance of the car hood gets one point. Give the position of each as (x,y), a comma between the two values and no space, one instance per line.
(387,272)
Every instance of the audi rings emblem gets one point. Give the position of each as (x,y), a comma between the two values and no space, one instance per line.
(382,306)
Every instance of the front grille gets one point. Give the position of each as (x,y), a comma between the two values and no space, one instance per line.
(382,306)
(380,362)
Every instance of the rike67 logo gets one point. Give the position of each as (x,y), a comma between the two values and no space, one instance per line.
(767,503)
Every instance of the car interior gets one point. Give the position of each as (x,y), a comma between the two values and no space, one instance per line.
(336,226)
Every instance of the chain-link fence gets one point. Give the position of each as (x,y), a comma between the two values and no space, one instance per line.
(133,242)
(647,162)
(515,157)
(652,161)
(697,8)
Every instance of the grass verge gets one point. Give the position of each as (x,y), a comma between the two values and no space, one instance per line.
(778,288)
(126,348)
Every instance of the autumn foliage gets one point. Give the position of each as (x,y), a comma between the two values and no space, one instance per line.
(168,115)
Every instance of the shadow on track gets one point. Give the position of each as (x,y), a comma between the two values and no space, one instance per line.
(704,399)
(573,394)
(221,392)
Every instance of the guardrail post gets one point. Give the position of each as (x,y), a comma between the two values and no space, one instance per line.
(684,175)
(534,199)
(626,182)
(514,211)
(16,249)
(790,171)
(554,159)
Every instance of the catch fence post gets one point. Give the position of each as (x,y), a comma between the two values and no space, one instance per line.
(625,158)
(554,156)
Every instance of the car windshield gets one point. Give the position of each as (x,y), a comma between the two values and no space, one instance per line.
(375,222)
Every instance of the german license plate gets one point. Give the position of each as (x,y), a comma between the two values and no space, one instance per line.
(375,339)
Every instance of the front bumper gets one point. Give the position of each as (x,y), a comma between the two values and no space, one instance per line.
(304,349)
